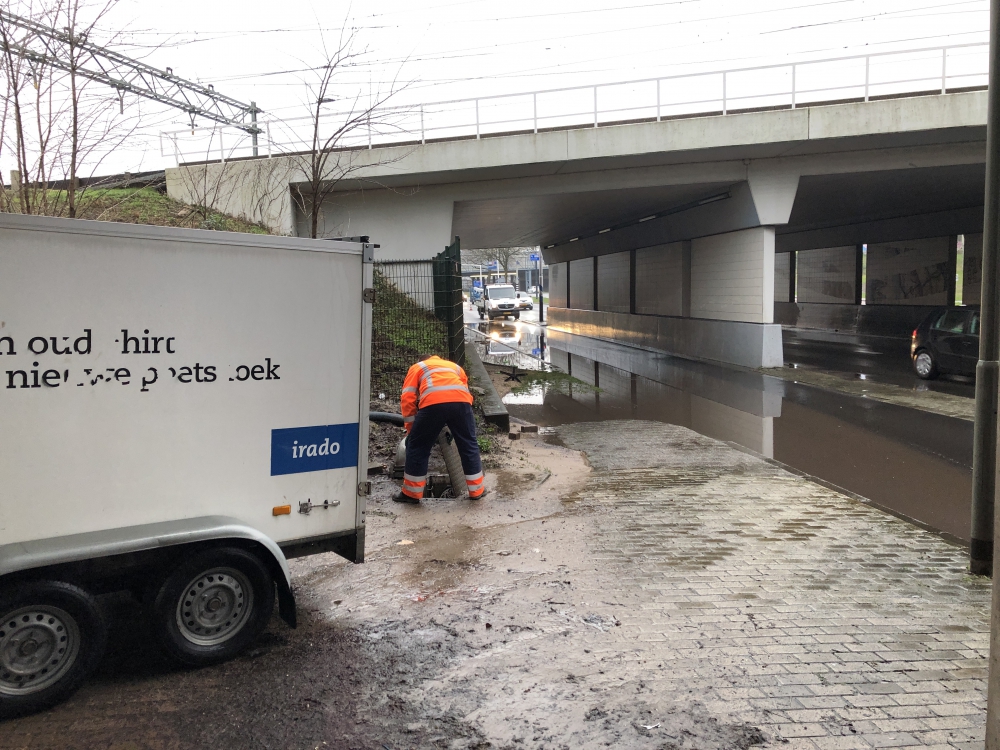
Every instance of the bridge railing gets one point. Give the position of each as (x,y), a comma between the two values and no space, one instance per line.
(928,70)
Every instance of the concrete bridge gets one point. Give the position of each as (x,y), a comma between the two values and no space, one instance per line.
(683,235)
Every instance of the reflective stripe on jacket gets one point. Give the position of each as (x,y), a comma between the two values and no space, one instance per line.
(433,381)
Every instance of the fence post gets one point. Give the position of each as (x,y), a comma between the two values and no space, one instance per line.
(595,106)
(723,93)
(868,61)
(423,138)
(268,127)
(477,119)
(534,99)
(222,150)
(793,86)
(657,99)
(448,298)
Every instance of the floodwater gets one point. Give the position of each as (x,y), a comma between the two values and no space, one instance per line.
(910,462)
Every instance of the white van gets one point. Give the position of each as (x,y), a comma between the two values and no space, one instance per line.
(498,301)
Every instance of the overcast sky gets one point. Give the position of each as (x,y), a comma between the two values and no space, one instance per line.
(447,49)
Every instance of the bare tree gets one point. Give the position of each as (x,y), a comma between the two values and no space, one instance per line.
(58,124)
(502,256)
(337,144)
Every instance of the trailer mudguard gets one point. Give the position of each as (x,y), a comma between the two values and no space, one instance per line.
(41,553)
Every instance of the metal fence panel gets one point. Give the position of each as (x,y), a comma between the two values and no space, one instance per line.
(417,311)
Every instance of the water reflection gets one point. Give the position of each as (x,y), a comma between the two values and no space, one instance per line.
(916,463)
(510,343)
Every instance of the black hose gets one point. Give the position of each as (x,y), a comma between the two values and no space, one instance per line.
(385,416)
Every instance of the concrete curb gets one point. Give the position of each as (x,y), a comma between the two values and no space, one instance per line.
(493,409)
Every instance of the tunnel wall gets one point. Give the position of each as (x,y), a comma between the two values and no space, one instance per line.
(782,273)
(614,282)
(557,284)
(972,270)
(746,344)
(732,276)
(709,298)
(905,281)
(826,275)
(580,284)
(914,272)
(662,279)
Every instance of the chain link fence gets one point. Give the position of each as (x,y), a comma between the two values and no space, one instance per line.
(417,311)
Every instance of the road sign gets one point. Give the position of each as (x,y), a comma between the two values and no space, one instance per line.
(477,282)
(533,257)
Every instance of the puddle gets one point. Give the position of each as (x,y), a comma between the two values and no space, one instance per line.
(912,462)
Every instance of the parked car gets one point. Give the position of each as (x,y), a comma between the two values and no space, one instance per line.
(524,301)
(946,341)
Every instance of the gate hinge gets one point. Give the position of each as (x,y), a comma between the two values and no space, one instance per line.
(364,489)
(368,295)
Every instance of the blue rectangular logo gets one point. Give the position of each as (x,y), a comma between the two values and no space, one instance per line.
(299,449)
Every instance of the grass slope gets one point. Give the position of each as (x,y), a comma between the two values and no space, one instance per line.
(147,206)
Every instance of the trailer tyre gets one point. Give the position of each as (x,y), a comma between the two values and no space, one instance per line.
(52,636)
(213,606)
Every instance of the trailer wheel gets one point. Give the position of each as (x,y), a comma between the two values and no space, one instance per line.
(52,636)
(213,606)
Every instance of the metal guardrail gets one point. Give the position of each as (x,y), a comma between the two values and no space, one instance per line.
(780,86)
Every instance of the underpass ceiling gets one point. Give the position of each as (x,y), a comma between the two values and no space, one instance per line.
(543,219)
(821,201)
(835,200)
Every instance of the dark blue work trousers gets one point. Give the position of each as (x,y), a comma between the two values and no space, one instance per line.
(427,425)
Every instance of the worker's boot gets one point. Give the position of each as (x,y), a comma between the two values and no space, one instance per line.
(401,497)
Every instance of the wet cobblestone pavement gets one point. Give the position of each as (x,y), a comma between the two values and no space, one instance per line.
(782,603)
(661,590)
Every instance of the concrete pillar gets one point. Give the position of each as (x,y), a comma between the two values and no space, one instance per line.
(732,276)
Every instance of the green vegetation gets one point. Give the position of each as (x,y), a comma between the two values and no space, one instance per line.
(148,206)
(402,332)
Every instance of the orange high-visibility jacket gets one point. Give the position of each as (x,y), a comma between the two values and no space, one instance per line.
(433,381)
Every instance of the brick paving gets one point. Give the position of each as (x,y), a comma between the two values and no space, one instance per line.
(779,602)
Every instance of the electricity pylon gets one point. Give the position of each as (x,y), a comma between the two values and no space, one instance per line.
(47,46)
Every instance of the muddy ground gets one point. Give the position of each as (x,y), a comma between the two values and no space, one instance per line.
(463,629)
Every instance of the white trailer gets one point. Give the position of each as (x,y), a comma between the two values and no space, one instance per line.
(182,411)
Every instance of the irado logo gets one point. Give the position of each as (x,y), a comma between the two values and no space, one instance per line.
(295,450)
(308,451)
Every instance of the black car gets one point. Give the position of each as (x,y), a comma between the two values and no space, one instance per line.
(946,341)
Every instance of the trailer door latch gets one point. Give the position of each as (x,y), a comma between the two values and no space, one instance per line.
(368,295)
(307,507)
(364,489)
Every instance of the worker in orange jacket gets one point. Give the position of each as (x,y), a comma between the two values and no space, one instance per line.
(435,394)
